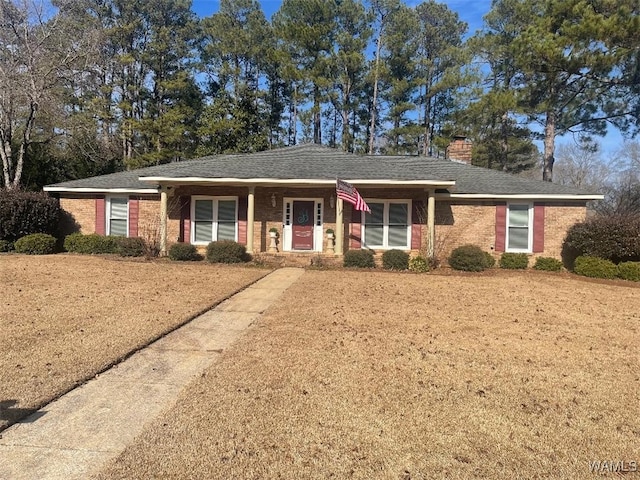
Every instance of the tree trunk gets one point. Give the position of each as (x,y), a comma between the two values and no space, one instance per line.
(317,119)
(504,141)
(549,146)
(374,101)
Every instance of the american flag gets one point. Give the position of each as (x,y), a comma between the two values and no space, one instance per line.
(348,193)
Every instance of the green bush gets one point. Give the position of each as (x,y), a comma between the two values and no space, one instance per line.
(629,271)
(36,244)
(548,264)
(226,251)
(395,260)
(470,258)
(595,267)
(184,252)
(490,261)
(131,246)
(91,244)
(24,213)
(615,238)
(419,264)
(5,246)
(514,261)
(359,258)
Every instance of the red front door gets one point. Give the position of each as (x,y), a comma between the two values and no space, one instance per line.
(302,225)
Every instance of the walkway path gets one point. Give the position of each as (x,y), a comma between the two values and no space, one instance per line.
(75,435)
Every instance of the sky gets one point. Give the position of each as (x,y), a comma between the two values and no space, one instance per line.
(470,11)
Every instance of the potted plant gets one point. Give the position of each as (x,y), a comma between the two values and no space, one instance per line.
(273,232)
(330,233)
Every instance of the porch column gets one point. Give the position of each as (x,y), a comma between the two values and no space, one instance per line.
(251,202)
(163,221)
(339,226)
(431,223)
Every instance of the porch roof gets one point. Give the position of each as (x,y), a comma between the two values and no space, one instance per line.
(316,165)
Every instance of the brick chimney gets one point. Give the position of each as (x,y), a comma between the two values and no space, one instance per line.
(460,149)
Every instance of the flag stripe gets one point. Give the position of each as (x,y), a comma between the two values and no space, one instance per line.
(348,193)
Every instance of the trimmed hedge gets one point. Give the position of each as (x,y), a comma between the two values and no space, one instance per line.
(470,258)
(615,238)
(226,251)
(419,265)
(36,244)
(548,264)
(91,244)
(6,246)
(24,213)
(131,246)
(595,267)
(184,252)
(629,271)
(514,261)
(395,260)
(359,258)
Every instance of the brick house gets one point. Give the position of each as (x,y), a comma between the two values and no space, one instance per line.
(418,204)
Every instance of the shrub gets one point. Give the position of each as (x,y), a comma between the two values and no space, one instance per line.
(184,252)
(359,258)
(131,247)
(595,267)
(24,213)
(395,260)
(469,258)
(548,264)
(514,261)
(419,264)
(90,244)
(629,271)
(5,246)
(36,244)
(615,238)
(490,261)
(226,251)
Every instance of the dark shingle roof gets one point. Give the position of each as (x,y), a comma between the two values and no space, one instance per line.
(315,162)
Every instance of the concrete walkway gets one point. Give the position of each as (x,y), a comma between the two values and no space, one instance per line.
(75,435)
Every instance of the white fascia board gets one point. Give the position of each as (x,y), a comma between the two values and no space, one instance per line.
(100,190)
(521,196)
(293,181)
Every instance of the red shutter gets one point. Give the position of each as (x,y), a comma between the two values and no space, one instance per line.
(185,219)
(243,205)
(501,227)
(355,230)
(538,227)
(134,210)
(100,215)
(416,225)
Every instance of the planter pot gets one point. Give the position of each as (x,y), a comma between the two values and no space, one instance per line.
(273,247)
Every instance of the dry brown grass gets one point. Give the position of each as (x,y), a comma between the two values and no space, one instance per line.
(397,376)
(64,317)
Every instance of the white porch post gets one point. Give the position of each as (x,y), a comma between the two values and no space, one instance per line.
(431,223)
(339,226)
(251,201)
(163,220)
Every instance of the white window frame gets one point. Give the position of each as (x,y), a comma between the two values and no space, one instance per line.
(529,248)
(107,213)
(287,231)
(214,233)
(385,225)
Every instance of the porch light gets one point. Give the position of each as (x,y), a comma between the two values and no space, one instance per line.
(273,200)
(332,201)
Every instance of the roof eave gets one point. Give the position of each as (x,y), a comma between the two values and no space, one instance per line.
(55,189)
(522,196)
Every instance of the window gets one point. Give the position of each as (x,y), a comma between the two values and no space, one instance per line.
(117,216)
(388,225)
(519,227)
(214,219)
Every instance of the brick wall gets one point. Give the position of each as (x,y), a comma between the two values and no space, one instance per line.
(558,217)
(82,210)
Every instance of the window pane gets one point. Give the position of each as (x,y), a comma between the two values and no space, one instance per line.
(204,210)
(518,238)
(397,236)
(398,213)
(227,210)
(518,215)
(227,231)
(373,234)
(203,231)
(118,227)
(376,216)
(118,208)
